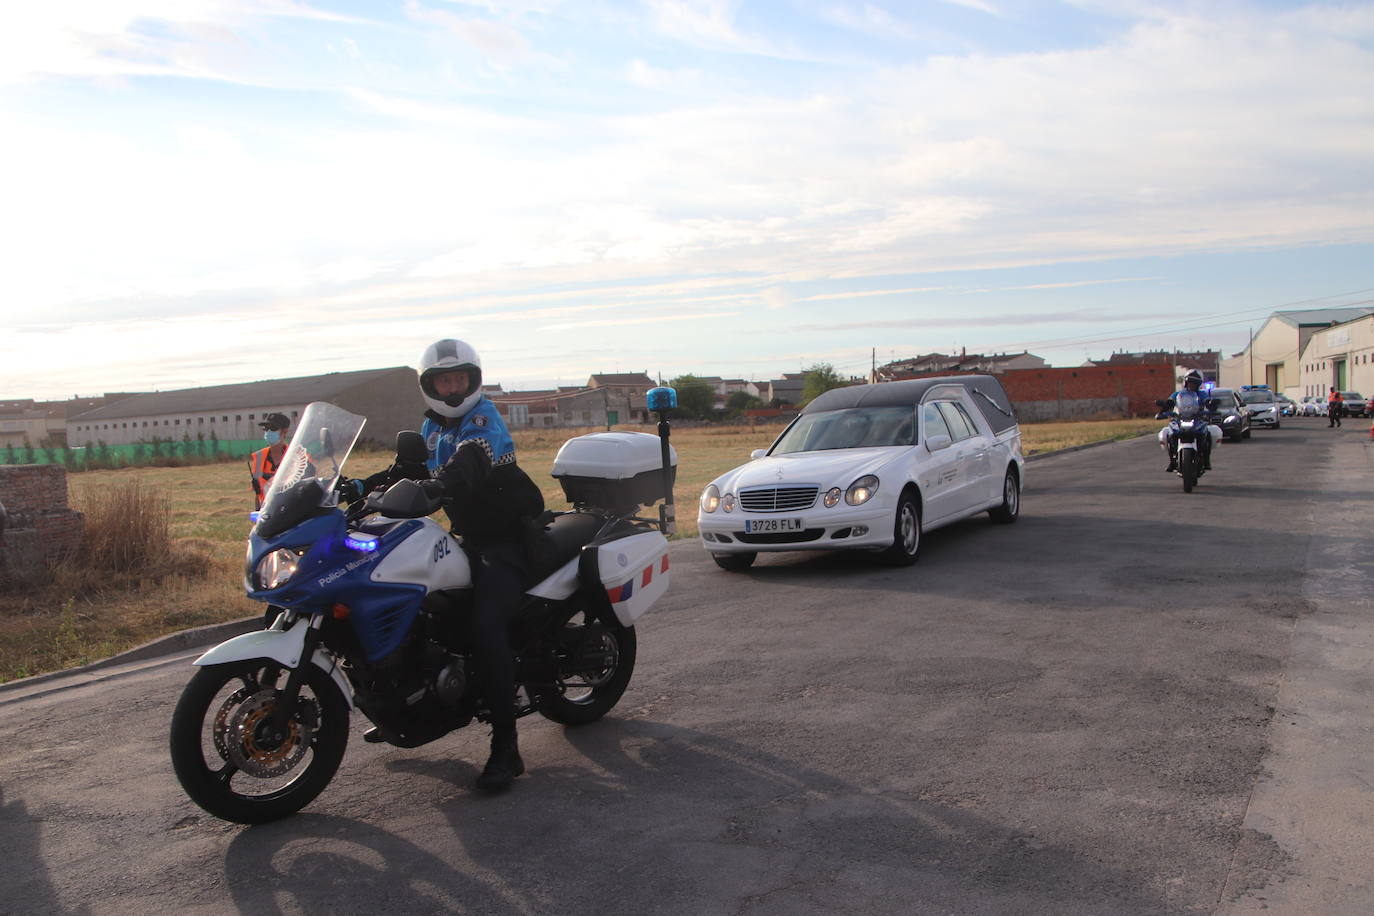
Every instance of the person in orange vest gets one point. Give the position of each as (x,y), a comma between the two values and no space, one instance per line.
(1335,406)
(262,464)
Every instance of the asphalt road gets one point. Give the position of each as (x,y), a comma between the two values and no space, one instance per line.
(1132,701)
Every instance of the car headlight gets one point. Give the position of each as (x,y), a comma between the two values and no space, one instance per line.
(861,490)
(832,496)
(727,502)
(276,568)
(710,498)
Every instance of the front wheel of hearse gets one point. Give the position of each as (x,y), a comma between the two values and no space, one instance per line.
(1010,509)
(228,755)
(595,662)
(735,562)
(906,533)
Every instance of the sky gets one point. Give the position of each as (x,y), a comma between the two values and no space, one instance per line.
(195,192)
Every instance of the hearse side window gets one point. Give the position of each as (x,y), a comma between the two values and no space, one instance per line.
(933,421)
(959,425)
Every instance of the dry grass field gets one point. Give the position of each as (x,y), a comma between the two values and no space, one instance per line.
(167,543)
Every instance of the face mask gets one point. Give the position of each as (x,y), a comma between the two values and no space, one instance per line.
(272,437)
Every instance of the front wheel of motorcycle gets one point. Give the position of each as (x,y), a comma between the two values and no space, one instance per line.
(1187,467)
(228,756)
(595,665)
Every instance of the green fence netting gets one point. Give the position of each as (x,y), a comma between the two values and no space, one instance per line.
(135,455)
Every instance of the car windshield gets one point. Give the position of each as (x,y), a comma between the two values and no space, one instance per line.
(1352,396)
(853,427)
(1258,397)
(1225,399)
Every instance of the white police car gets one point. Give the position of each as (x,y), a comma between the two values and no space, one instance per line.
(871,467)
(1262,404)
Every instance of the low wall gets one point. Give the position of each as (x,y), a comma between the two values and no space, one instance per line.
(41,528)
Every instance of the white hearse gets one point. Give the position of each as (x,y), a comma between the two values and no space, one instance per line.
(871,467)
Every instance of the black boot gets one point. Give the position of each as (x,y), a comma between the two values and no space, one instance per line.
(503,765)
(1173,466)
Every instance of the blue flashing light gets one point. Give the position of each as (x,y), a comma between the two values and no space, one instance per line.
(253,516)
(1208,386)
(364,542)
(663,398)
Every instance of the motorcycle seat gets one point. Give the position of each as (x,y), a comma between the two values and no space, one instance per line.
(563,539)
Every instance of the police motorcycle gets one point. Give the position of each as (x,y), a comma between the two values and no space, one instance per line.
(373,605)
(1189,413)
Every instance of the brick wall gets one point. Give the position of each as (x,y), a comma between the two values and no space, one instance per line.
(41,527)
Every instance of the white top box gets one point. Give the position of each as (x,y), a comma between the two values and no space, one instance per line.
(611,456)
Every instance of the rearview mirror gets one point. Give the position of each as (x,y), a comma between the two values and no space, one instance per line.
(938,441)
(411,448)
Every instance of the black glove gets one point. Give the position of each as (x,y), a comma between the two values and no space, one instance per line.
(434,489)
(349,490)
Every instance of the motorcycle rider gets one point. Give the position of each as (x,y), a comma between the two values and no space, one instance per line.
(491,503)
(1190,392)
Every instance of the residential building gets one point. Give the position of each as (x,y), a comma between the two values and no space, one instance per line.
(936,363)
(624,394)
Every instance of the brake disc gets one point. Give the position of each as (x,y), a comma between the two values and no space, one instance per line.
(241,734)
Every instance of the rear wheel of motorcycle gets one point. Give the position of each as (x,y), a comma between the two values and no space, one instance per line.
(586,694)
(906,533)
(1187,466)
(226,759)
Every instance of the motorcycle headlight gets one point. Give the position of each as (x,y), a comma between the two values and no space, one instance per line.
(276,568)
(710,498)
(861,490)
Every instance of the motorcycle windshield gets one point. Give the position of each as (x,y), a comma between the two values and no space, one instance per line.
(1188,404)
(314,460)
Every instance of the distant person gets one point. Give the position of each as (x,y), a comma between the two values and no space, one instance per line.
(1335,406)
(263,463)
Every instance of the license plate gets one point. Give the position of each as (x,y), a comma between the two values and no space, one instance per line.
(767,525)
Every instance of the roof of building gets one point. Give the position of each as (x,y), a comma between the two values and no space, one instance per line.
(1307,317)
(265,393)
(1201,359)
(620,379)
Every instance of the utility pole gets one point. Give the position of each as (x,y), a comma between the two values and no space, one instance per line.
(1251,371)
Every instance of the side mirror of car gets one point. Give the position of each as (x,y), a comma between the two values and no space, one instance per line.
(758,453)
(937,442)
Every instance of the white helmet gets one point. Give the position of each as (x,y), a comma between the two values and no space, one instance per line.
(446,356)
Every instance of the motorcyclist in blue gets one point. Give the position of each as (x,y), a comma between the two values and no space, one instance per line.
(1192,398)
(491,504)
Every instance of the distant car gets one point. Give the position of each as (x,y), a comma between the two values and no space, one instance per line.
(1311,406)
(1230,414)
(1355,404)
(1264,409)
(871,467)
(1287,406)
